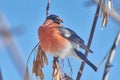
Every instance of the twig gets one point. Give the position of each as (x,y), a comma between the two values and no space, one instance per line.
(12,47)
(56,69)
(71,71)
(110,58)
(58,74)
(32,51)
(1,78)
(103,60)
(90,39)
(27,76)
(47,8)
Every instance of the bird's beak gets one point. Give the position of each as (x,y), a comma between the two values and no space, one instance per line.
(60,20)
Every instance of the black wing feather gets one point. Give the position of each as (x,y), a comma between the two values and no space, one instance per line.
(72,36)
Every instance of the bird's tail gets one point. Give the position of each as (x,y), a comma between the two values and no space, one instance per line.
(91,65)
(86,48)
(84,59)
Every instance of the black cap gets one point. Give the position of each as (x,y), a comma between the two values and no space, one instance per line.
(55,18)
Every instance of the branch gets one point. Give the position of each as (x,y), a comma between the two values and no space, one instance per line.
(112,12)
(110,58)
(1,78)
(58,74)
(12,47)
(47,8)
(90,38)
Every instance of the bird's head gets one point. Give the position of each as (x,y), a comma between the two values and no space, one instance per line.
(55,18)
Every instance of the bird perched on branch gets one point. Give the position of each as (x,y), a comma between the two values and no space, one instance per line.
(60,41)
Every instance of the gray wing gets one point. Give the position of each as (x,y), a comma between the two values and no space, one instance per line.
(73,37)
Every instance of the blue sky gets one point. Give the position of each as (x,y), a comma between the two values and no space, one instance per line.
(30,14)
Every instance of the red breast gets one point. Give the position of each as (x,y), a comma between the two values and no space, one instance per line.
(51,39)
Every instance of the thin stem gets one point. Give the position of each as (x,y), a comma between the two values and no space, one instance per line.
(90,39)
(110,58)
(47,8)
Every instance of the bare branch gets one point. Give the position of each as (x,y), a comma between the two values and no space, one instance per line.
(47,8)
(58,74)
(12,47)
(90,39)
(1,78)
(26,76)
(110,58)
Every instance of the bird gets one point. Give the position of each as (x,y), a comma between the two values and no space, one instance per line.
(62,42)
